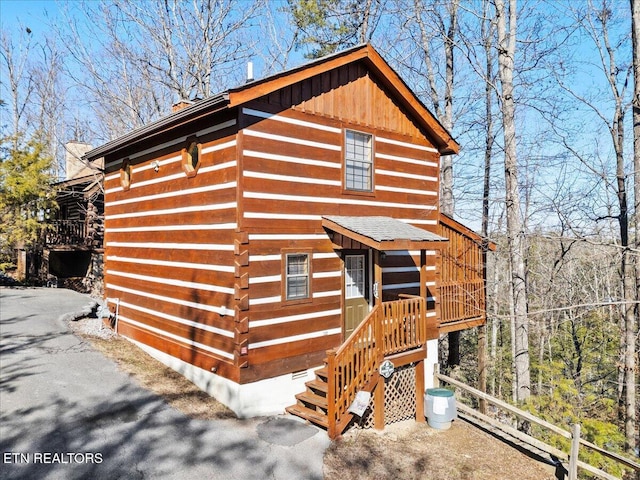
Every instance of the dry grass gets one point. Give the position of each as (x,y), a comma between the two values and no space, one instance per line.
(178,392)
(404,451)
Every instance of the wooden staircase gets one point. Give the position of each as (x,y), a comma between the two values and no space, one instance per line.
(391,328)
(312,404)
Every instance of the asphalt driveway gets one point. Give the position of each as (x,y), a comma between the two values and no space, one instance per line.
(67,412)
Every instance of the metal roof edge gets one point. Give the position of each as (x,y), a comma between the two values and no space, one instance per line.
(139,133)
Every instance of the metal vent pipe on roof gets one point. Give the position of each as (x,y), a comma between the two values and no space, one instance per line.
(249,72)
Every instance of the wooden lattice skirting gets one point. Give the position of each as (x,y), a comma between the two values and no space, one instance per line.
(399,399)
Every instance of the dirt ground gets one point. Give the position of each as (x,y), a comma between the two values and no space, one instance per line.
(406,450)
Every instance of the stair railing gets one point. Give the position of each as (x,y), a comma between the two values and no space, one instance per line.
(391,327)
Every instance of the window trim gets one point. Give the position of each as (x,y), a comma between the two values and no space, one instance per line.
(191,170)
(126,173)
(345,187)
(286,253)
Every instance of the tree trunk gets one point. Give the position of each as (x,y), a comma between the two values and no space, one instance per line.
(630,319)
(486,188)
(515,224)
(446,176)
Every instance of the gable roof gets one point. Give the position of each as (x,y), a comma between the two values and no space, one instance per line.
(242,94)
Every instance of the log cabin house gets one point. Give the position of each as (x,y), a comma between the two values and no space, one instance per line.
(277,242)
(68,252)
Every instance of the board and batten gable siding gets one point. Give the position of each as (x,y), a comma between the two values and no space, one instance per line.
(169,247)
(292,169)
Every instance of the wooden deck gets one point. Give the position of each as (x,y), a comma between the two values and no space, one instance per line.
(462,287)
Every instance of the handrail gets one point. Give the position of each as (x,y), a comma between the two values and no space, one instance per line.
(72,232)
(349,368)
(390,327)
(533,419)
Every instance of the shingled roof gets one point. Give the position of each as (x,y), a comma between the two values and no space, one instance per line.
(382,233)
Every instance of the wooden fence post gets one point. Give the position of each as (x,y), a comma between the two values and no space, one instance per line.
(575,446)
(378,394)
(331,394)
(436,371)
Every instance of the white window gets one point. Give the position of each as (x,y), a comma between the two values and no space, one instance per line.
(354,276)
(358,161)
(297,276)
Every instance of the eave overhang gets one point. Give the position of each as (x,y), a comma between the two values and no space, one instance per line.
(181,117)
(383,233)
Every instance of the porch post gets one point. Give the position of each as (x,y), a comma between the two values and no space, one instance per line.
(423,274)
(420,391)
(377,275)
(378,401)
(378,394)
(332,428)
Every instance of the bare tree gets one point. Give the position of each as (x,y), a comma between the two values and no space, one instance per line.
(281,38)
(16,77)
(148,55)
(506,30)
(610,171)
(630,363)
(50,102)
(487,31)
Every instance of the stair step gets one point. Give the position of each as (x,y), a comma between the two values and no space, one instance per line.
(318,385)
(322,373)
(309,414)
(313,399)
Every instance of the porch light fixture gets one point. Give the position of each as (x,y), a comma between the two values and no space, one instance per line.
(156,165)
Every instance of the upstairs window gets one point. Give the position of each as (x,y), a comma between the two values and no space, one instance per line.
(191,157)
(358,161)
(297,276)
(125,174)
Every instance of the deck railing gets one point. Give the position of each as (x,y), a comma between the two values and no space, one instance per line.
(463,300)
(72,233)
(403,325)
(462,292)
(391,327)
(65,232)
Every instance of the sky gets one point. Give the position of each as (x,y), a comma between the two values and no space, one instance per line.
(29,13)
(38,15)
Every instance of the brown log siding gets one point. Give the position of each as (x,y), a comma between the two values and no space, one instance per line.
(156,283)
(278,205)
(257,335)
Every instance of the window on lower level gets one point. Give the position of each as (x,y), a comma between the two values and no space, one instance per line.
(297,276)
